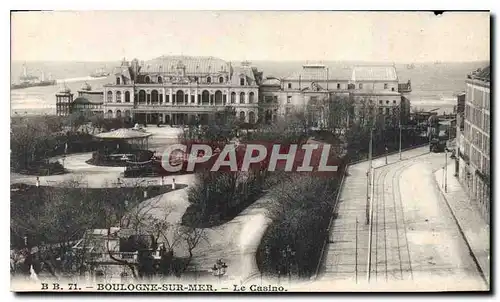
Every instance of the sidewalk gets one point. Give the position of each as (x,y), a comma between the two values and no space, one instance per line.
(475,230)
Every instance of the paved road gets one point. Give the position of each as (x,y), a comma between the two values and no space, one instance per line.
(414,239)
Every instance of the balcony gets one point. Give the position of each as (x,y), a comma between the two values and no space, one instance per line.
(404,87)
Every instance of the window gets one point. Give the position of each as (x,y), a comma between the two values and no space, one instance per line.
(233,97)
(167,98)
(386,86)
(289,99)
(109,97)
(392,88)
(161,98)
(371,101)
(196,79)
(360,85)
(380,102)
(287,110)
(192,98)
(387,112)
(394,102)
(289,85)
(118,96)
(242,82)
(127,97)
(275,98)
(209,80)
(221,80)
(387,102)
(117,81)
(160,80)
(242,98)
(338,86)
(251,97)
(380,110)
(147,79)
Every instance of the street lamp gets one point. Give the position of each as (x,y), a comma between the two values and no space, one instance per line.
(446,169)
(386,152)
(219,269)
(288,253)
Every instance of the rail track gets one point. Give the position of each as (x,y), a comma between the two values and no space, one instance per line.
(389,250)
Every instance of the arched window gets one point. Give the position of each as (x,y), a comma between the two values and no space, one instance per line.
(242,81)
(154,96)
(338,86)
(251,117)
(127,97)
(387,102)
(118,114)
(109,97)
(205,97)
(160,80)
(218,97)
(117,81)
(242,98)
(179,96)
(209,80)
(109,114)
(118,96)
(251,97)
(147,79)
(233,97)
(242,116)
(221,80)
(142,96)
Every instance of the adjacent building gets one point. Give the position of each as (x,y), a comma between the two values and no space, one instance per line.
(374,90)
(182,90)
(474,143)
(88,101)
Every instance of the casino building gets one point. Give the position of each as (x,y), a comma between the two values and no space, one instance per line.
(182,90)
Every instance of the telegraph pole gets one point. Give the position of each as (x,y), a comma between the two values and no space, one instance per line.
(400,154)
(368,175)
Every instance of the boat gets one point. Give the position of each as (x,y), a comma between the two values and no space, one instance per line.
(99,73)
(27,80)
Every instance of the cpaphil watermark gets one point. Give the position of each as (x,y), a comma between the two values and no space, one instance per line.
(245,157)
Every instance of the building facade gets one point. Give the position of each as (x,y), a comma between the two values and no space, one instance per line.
(64,99)
(88,101)
(474,143)
(182,90)
(374,90)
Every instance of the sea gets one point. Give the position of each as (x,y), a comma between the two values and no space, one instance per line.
(434,86)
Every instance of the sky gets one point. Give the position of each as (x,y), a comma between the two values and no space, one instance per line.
(251,35)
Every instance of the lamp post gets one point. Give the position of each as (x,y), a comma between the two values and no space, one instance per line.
(288,253)
(219,269)
(386,152)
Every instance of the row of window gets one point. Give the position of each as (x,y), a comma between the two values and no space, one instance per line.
(478,97)
(159,80)
(349,86)
(118,95)
(478,117)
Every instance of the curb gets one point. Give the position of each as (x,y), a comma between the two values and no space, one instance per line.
(471,252)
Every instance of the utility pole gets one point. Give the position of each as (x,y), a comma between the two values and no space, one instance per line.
(368,175)
(400,154)
(446,170)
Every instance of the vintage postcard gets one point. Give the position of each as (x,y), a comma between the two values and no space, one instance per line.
(250,151)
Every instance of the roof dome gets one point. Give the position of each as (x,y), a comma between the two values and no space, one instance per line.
(270,81)
(86,86)
(64,89)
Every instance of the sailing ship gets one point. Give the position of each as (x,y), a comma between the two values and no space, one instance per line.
(27,80)
(99,73)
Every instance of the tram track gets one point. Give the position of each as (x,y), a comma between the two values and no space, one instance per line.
(383,228)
